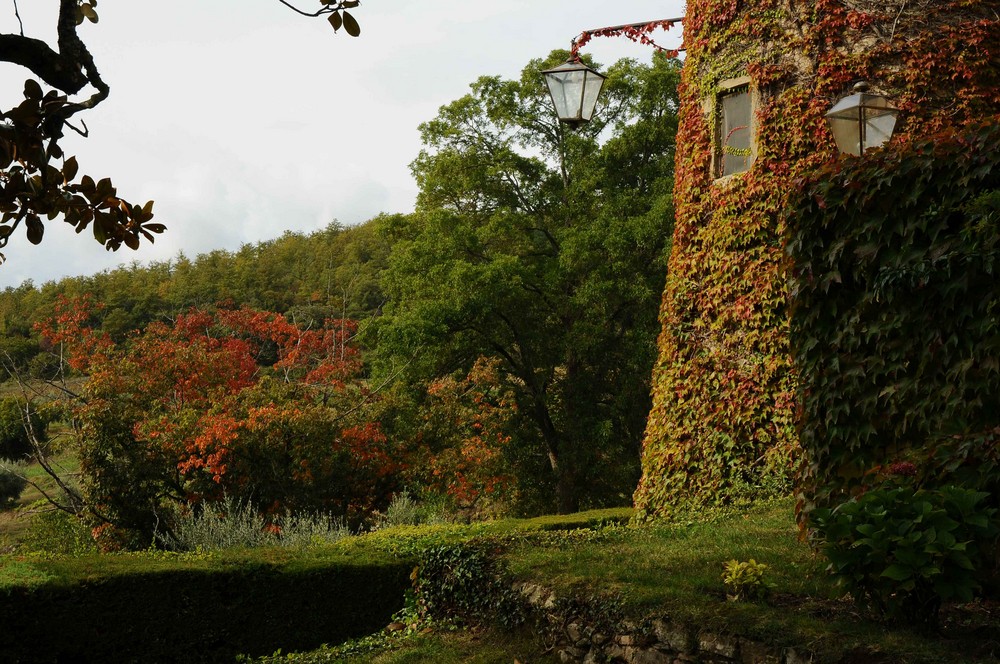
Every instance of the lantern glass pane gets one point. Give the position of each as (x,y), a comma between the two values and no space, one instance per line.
(566,88)
(861,121)
(735,137)
(847,133)
(591,90)
(878,128)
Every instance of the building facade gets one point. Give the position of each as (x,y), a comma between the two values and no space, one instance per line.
(758,79)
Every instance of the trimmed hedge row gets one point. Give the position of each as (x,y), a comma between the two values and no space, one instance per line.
(200,615)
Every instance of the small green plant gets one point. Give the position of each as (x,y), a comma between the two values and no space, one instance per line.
(58,532)
(12,483)
(466,583)
(227,525)
(745,580)
(902,551)
(404,510)
(304,530)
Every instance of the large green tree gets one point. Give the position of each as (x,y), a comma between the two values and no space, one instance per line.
(545,249)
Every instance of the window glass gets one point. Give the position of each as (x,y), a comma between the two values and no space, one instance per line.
(735,137)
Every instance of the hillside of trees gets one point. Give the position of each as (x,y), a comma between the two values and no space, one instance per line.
(488,353)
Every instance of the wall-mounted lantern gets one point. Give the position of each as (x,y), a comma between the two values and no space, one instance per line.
(861,121)
(574,88)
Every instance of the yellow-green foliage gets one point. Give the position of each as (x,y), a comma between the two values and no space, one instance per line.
(744,580)
(723,419)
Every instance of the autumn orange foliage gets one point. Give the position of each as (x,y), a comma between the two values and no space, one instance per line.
(198,409)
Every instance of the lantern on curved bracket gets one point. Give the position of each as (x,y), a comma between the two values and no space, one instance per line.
(574,88)
(861,121)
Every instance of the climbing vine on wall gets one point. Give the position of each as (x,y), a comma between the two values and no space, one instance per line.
(723,419)
(896,317)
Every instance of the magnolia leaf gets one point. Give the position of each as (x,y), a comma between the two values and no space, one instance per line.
(336,21)
(70,168)
(32,90)
(350,4)
(35,229)
(351,25)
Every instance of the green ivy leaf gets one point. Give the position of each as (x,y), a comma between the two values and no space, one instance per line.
(897,572)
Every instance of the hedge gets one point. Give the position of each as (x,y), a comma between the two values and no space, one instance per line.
(197,613)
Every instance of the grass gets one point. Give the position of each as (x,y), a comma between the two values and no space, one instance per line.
(458,647)
(676,570)
(21,574)
(667,569)
(16,522)
(467,647)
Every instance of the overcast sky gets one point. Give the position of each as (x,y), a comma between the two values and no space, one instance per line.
(243,120)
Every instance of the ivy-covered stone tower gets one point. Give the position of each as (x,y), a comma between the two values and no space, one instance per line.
(759,77)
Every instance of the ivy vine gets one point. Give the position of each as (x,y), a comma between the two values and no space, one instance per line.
(723,423)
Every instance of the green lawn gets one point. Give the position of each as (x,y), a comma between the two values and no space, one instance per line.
(675,570)
(659,570)
(15,522)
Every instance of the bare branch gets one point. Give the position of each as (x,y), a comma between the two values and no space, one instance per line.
(18,15)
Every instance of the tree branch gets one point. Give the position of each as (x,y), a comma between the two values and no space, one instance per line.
(38,57)
(327,9)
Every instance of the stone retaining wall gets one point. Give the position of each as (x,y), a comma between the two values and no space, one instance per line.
(657,641)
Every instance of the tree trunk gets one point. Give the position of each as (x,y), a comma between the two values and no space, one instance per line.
(566,499)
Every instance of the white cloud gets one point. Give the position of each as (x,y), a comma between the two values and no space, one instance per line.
(243,120)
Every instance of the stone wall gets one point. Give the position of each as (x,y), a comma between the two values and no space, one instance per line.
(656,640)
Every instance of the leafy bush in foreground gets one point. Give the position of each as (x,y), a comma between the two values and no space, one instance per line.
(467,583)
(904,551)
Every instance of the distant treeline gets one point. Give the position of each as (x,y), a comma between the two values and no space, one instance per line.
(332,272)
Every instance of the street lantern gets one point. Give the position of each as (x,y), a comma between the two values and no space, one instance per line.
(574,88)
(861,121)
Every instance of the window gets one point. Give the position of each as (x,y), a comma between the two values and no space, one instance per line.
(735,131)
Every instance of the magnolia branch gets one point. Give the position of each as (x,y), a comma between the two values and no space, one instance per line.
(327,9)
